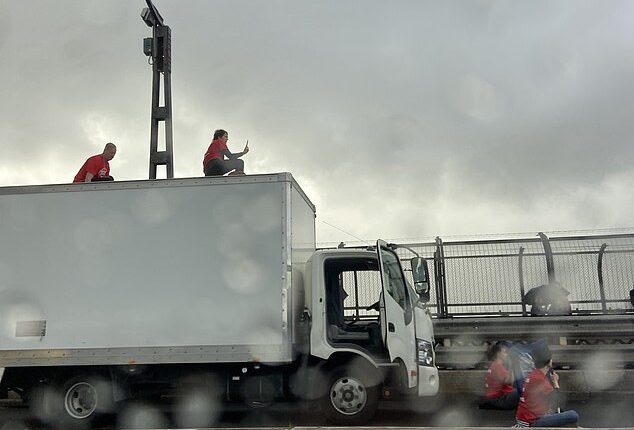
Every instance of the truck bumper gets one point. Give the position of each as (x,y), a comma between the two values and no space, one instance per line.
(427,381)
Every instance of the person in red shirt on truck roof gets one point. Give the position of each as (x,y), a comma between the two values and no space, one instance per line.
(97,168)
(214,162)
(536,406)
(499,390)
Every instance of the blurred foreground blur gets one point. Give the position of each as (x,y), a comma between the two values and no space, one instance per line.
(451,408)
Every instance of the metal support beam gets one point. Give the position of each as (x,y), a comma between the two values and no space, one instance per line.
(161,54)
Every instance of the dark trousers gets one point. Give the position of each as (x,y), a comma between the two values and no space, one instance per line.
(217,167)
(102,179)
(507,401)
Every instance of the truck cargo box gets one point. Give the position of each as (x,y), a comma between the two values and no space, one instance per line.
(166,271)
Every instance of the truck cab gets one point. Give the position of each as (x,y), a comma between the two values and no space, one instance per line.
(364,311)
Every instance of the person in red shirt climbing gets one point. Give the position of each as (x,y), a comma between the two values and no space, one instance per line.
(536,405)
(97,168)
(214,162)
(499,390)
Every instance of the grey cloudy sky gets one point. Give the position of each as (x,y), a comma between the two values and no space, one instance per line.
(400,119)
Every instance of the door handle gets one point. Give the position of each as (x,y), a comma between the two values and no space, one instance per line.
(390,327)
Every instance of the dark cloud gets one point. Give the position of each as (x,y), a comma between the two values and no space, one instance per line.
(403,119)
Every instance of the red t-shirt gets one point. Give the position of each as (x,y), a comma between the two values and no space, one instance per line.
(95,165)
(495,385)
(214,151)
(534,400)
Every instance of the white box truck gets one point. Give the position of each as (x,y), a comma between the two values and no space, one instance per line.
(124,290)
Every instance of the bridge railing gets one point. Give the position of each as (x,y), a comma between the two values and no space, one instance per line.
(491,277)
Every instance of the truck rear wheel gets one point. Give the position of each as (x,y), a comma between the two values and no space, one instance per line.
(81,399)
(351,399)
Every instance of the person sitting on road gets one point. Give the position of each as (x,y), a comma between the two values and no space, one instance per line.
(97,168)
(214,162)
(536,407)
(499,390)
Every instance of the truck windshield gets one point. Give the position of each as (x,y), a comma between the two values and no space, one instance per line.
(393,278)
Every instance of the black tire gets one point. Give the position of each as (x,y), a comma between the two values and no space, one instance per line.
(198,404)
(352,397)
(77,401)
(39,400)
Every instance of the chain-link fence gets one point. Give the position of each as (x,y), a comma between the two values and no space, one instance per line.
(362,289)
(591,274)
(501,277)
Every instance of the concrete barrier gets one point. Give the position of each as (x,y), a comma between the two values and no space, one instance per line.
(572,381)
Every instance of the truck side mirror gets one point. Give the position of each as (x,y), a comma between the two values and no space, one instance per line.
(420,273)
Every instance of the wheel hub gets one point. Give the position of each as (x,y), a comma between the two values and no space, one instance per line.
(348,396)
(80,400)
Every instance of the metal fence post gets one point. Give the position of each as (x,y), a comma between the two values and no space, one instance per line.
(521,275)
(441,286)
(548,252)
(604,305)
(437,279)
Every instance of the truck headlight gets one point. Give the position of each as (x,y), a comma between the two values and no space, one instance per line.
(425,353)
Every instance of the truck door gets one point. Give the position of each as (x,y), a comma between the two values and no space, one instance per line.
(399,333)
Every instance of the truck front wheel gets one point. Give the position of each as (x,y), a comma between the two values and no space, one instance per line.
(351,399)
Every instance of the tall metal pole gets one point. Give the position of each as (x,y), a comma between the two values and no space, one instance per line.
(159,49)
